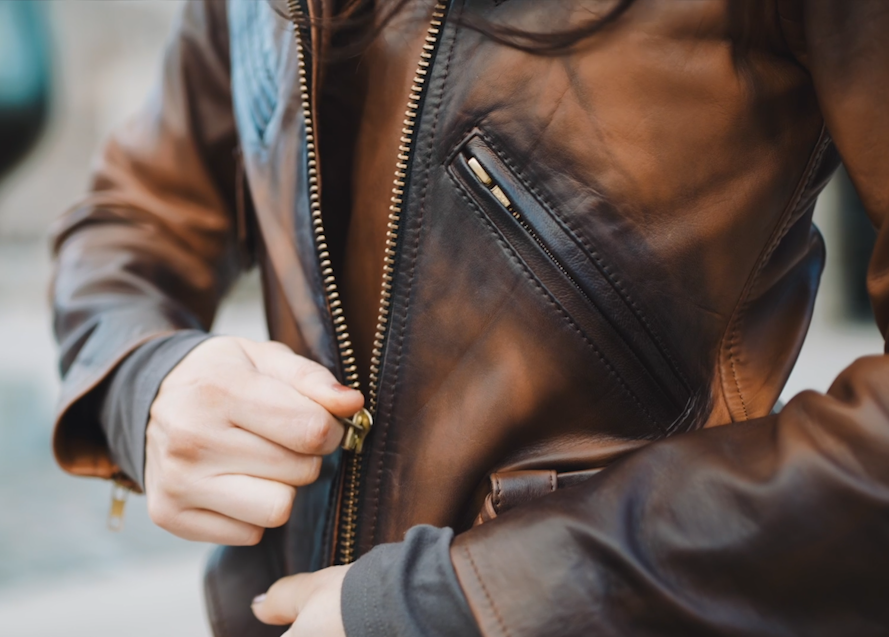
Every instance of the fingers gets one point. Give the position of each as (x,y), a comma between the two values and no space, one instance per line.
(234,428)
(308,377)
(204,526)
(312,602)
(242,452)
(277,412)
(175,487)
(282,603)
(258,502)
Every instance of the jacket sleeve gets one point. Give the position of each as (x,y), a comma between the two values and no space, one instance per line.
(407,589)
(126,404)
(153,246)
(775,526)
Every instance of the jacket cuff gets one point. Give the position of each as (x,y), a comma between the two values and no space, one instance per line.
(126,405)
(407,589)
(91,354)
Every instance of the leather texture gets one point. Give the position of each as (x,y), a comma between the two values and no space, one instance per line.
(653,279)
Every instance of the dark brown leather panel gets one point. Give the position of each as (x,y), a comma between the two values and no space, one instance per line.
(646,194)
(713,533)
(776,295)
(732,530)
(388,65)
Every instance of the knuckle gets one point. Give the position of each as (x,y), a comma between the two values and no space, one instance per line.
(317,431)
(320,433)
(251,537)
(173,486)
(185,443)
(162,512)
(210,391)
(314,469)
(308,470)
(279,510)
(305,371)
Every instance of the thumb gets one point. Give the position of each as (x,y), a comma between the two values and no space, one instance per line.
(284,600)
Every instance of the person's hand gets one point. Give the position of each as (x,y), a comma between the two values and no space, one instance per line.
(235,428)
(309,601)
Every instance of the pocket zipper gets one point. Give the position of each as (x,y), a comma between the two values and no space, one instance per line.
(488,182)
(665,401)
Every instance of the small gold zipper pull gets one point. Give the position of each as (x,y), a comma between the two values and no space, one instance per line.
(357,428)
(119,495)
(482,175)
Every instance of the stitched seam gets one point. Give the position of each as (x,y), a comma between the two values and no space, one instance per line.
(591,251)
(408,293)
(781,230)
(806,182)
(488,597)
(552,480)
(551,299)
(498,493)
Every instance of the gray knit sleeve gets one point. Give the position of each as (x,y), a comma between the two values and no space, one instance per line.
(407,589)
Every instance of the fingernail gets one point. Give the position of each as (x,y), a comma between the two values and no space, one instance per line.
(341,388)
(259,599)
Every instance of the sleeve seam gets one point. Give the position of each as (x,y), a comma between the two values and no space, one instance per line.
(501,623)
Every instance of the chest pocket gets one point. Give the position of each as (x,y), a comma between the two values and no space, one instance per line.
(258,36)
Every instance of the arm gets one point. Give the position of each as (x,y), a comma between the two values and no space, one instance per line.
(236,425)
(132,388)
(150,250)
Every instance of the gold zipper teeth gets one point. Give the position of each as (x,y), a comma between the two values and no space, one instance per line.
(348,524)
(344,344)
(397,199)
(485,179)
(350,510)
(341,330)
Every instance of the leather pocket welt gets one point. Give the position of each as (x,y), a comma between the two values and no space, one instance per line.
(581,285)
(512,489)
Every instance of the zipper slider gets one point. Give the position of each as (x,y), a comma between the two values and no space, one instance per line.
(482,175)
(119,494)
(357,428)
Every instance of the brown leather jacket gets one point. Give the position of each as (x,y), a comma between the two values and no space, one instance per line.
(590,253)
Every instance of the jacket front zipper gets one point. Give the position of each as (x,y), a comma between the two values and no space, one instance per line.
(360,424)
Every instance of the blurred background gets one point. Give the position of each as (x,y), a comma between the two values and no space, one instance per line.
(70,71)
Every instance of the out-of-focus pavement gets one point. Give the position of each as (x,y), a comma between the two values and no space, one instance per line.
(156,598)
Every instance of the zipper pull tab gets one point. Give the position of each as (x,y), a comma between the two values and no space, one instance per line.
(357,428)
(119,495)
